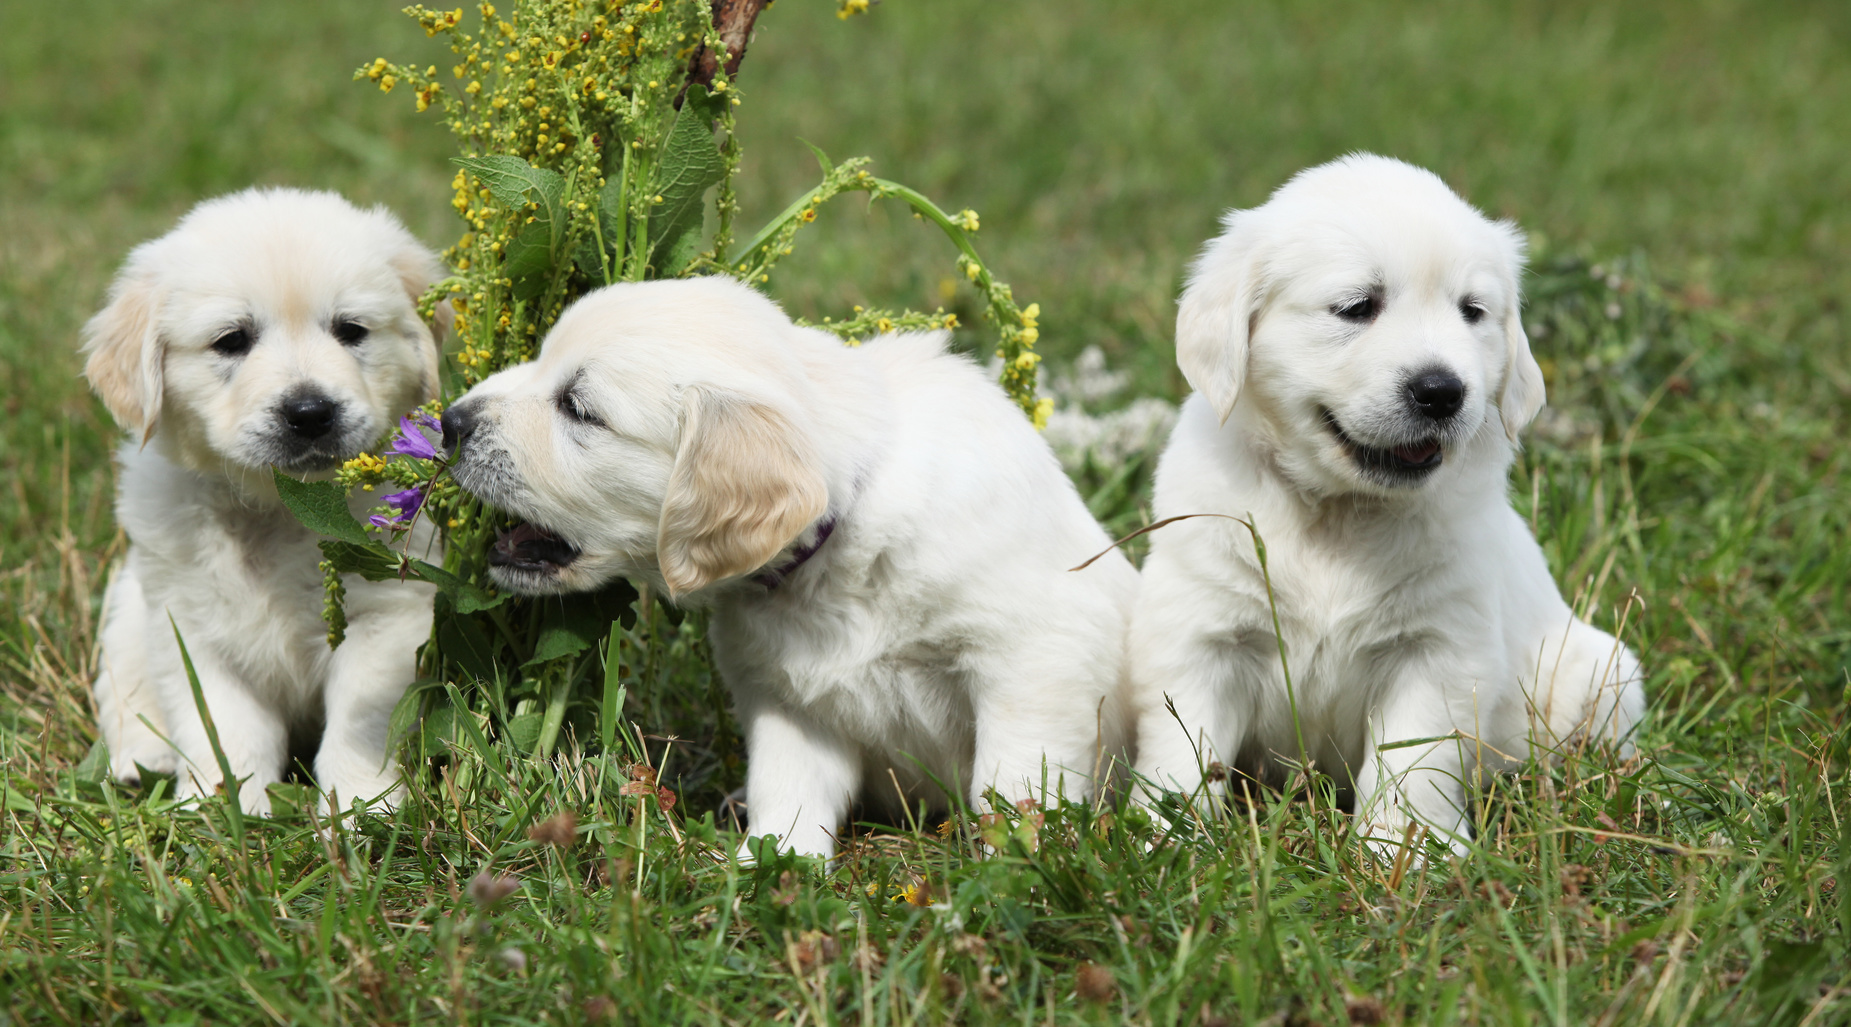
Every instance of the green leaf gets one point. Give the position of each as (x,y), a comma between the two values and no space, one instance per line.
(534,250)
(441,732)
(572,624)
(95,766)
(374,562)
(516,183)
(614,690)
(404,718)
(529,256)
(321,506)
(690,165)
(465,641)
(524,730)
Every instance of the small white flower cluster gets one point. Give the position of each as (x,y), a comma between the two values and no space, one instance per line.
(1112,438)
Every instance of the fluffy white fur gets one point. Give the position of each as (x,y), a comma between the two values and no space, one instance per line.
(687,434)
(331,351)
(1320,332)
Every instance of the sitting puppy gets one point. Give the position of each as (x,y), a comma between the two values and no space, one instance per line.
(1361,375)
(881,535)
(270,328)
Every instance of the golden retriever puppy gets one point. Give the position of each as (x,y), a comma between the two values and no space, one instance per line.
(882,537)
(270,328)
(1361,375)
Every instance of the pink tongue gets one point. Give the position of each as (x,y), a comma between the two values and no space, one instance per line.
(1419,453)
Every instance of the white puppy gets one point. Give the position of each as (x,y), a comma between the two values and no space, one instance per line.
(881,535)
(270,328)
(1361,375)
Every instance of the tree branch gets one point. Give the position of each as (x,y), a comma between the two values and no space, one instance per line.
(734,20)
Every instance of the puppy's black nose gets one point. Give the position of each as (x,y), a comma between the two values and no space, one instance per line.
(1437,395)
(309,414)
(459,422)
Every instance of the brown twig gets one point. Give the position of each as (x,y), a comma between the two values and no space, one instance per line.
(733,19)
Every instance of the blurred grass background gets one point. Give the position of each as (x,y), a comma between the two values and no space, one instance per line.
(1696,150)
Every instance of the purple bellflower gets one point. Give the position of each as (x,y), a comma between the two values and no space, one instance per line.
(406,503)
(410,441)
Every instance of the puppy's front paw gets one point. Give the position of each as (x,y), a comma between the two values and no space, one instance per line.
(253,796)
(346,788)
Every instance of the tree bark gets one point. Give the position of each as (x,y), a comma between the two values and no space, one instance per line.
(734,20)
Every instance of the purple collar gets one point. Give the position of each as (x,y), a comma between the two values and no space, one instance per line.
(771,579)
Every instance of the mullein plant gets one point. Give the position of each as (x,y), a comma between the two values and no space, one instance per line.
(597,146)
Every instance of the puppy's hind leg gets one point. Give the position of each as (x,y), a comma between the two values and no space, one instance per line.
(1588,689)
(126,710)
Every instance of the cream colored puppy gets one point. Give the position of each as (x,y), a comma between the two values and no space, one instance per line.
(881,535)
(1361,375)
(270,328)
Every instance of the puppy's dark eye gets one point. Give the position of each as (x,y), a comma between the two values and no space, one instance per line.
(574,409)
(1472,310)
(1360,309)
(349,332)
(233,343)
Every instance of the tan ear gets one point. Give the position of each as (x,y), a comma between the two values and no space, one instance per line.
(1214,319)
(744,485)
(417,268)
(1522,395)
(124,350)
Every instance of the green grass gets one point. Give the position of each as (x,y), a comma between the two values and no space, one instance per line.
(1694,456)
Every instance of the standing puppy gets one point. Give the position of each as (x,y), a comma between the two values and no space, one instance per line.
(270,328)
(1361,375)
(882,537)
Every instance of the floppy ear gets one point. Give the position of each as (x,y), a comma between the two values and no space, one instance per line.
(124,351)
(743,486)
(1523,380)
(417,267)
(1215,318)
